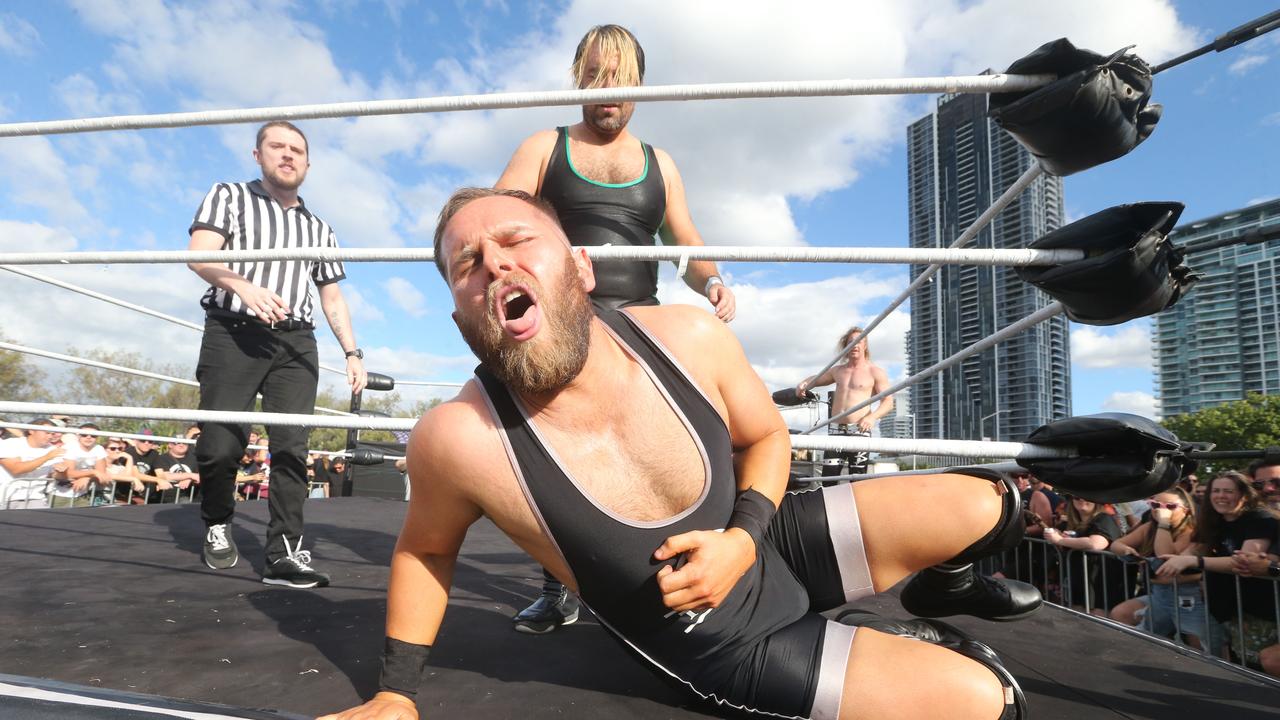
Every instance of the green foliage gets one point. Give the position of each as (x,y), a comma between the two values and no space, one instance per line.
(20,380)
(1247,424)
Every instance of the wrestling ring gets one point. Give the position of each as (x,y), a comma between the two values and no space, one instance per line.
(130,626)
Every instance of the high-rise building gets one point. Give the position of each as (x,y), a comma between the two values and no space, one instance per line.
(959,162)
(1222,340)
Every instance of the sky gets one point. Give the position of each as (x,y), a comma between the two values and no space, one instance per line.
(812,171)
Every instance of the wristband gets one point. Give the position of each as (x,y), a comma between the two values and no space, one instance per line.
(711,282)
(752,513)
(1200,562)
(403,665)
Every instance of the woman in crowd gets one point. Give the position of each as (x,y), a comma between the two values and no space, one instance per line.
(1088,527)
(1232,521)
(1169,531)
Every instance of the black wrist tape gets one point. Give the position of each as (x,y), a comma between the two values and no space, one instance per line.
(403,665)
(752,512)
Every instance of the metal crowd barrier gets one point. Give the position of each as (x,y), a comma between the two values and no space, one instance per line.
(1064,578)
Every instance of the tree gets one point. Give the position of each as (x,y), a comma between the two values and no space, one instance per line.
(1249,424)
(20,380)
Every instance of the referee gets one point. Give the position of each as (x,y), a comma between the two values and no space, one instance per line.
(258,339)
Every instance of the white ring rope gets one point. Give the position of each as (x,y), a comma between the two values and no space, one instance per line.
(13,347)
(428,383)
(1035,318)
(495,101)
(169,318)
(1015,257)
(1022,183)
(953,448)
(162,438)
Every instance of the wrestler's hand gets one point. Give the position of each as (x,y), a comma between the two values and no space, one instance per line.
(725,303)
(714,561)
(383,706)
(865,424)
(264,304)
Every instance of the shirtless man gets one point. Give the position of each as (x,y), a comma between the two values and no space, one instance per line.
(856,379)
(610,188)
(660,511)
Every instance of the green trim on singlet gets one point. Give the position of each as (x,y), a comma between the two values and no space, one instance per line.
(568,156)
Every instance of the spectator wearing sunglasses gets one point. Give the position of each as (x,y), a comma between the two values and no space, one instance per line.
(1264,475)
(176,466)
(88,469)
(27,465)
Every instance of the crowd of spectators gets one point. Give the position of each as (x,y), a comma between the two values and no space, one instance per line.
(55,468)
(1199,563)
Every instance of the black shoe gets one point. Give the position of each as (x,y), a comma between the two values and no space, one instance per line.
(1015,702)
(219,549)
(555,607)
(941,592)
(294,570)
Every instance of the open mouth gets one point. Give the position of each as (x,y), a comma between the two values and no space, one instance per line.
(518,312)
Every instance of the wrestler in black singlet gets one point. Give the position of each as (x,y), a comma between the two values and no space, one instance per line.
(762,647)
(598,214)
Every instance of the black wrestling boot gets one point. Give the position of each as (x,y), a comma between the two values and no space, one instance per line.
(954,588)
(936,632)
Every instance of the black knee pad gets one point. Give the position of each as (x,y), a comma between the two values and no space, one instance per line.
(1009,531)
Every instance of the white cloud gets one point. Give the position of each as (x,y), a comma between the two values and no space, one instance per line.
(1246,63)
(406,296)
(1260,200)
(1272,119)
(1128,347)
(17,36)
(1136,402)
(361,309)
(37,176)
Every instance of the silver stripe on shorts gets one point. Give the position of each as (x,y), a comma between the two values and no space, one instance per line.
(846,541)
(836,641)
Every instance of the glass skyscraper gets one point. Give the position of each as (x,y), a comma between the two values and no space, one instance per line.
(959,162)
(1221,341)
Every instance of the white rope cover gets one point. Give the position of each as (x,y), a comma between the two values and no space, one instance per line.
(955,448)
(13,347)
(1030,321)
(1016,257)
(498,101)
(1022,183)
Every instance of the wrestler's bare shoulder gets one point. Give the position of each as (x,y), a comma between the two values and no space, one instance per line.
(692,334)
(456,439)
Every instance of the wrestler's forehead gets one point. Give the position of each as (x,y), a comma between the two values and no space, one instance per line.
(496,218)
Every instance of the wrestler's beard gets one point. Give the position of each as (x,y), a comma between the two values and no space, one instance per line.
(541,364)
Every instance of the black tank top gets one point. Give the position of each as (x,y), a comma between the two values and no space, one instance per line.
(598,214)
(611,557)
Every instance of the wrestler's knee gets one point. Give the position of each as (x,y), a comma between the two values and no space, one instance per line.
(884,679)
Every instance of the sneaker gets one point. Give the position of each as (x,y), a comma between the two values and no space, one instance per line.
(555,607)
(219,549)
(294,569)
(942,591)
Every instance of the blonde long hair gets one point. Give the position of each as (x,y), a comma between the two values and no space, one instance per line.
(849,334)
(612,41)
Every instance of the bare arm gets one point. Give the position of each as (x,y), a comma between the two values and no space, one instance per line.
(263,303)
(885,406)
(814,381)
(528,165)
(17,467)
(339,317)
(677,229)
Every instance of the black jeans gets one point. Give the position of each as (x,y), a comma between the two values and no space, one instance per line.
(238,359)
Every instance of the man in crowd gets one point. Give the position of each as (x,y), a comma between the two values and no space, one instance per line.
(609,188)
(664,511)
(177,468)
(1264,475)
(28,464)
(145,452)
(259,337)
(87,471)
(856,378)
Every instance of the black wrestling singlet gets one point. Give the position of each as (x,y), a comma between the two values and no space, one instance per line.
(611,557)
(598,214)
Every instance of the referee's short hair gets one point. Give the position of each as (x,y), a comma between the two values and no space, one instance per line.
(262,132)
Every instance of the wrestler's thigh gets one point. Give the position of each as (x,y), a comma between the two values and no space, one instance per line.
(890,677)
(910,522)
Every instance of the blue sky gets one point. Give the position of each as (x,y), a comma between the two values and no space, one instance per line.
(763,172)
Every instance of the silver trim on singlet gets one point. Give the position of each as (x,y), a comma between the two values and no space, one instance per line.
(524,486)
(844,528)
(674,362)
(836,643)
(697,441)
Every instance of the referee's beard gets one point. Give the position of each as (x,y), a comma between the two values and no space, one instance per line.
(290,184)
(540,364)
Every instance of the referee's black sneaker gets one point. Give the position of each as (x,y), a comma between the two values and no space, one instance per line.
(294,570)
(219,549)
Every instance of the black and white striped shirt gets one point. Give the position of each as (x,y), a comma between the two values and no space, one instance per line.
(250,219)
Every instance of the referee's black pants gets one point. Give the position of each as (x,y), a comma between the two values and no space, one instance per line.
(238,359)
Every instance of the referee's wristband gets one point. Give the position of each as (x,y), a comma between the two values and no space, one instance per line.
(712,281)
(403,665)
